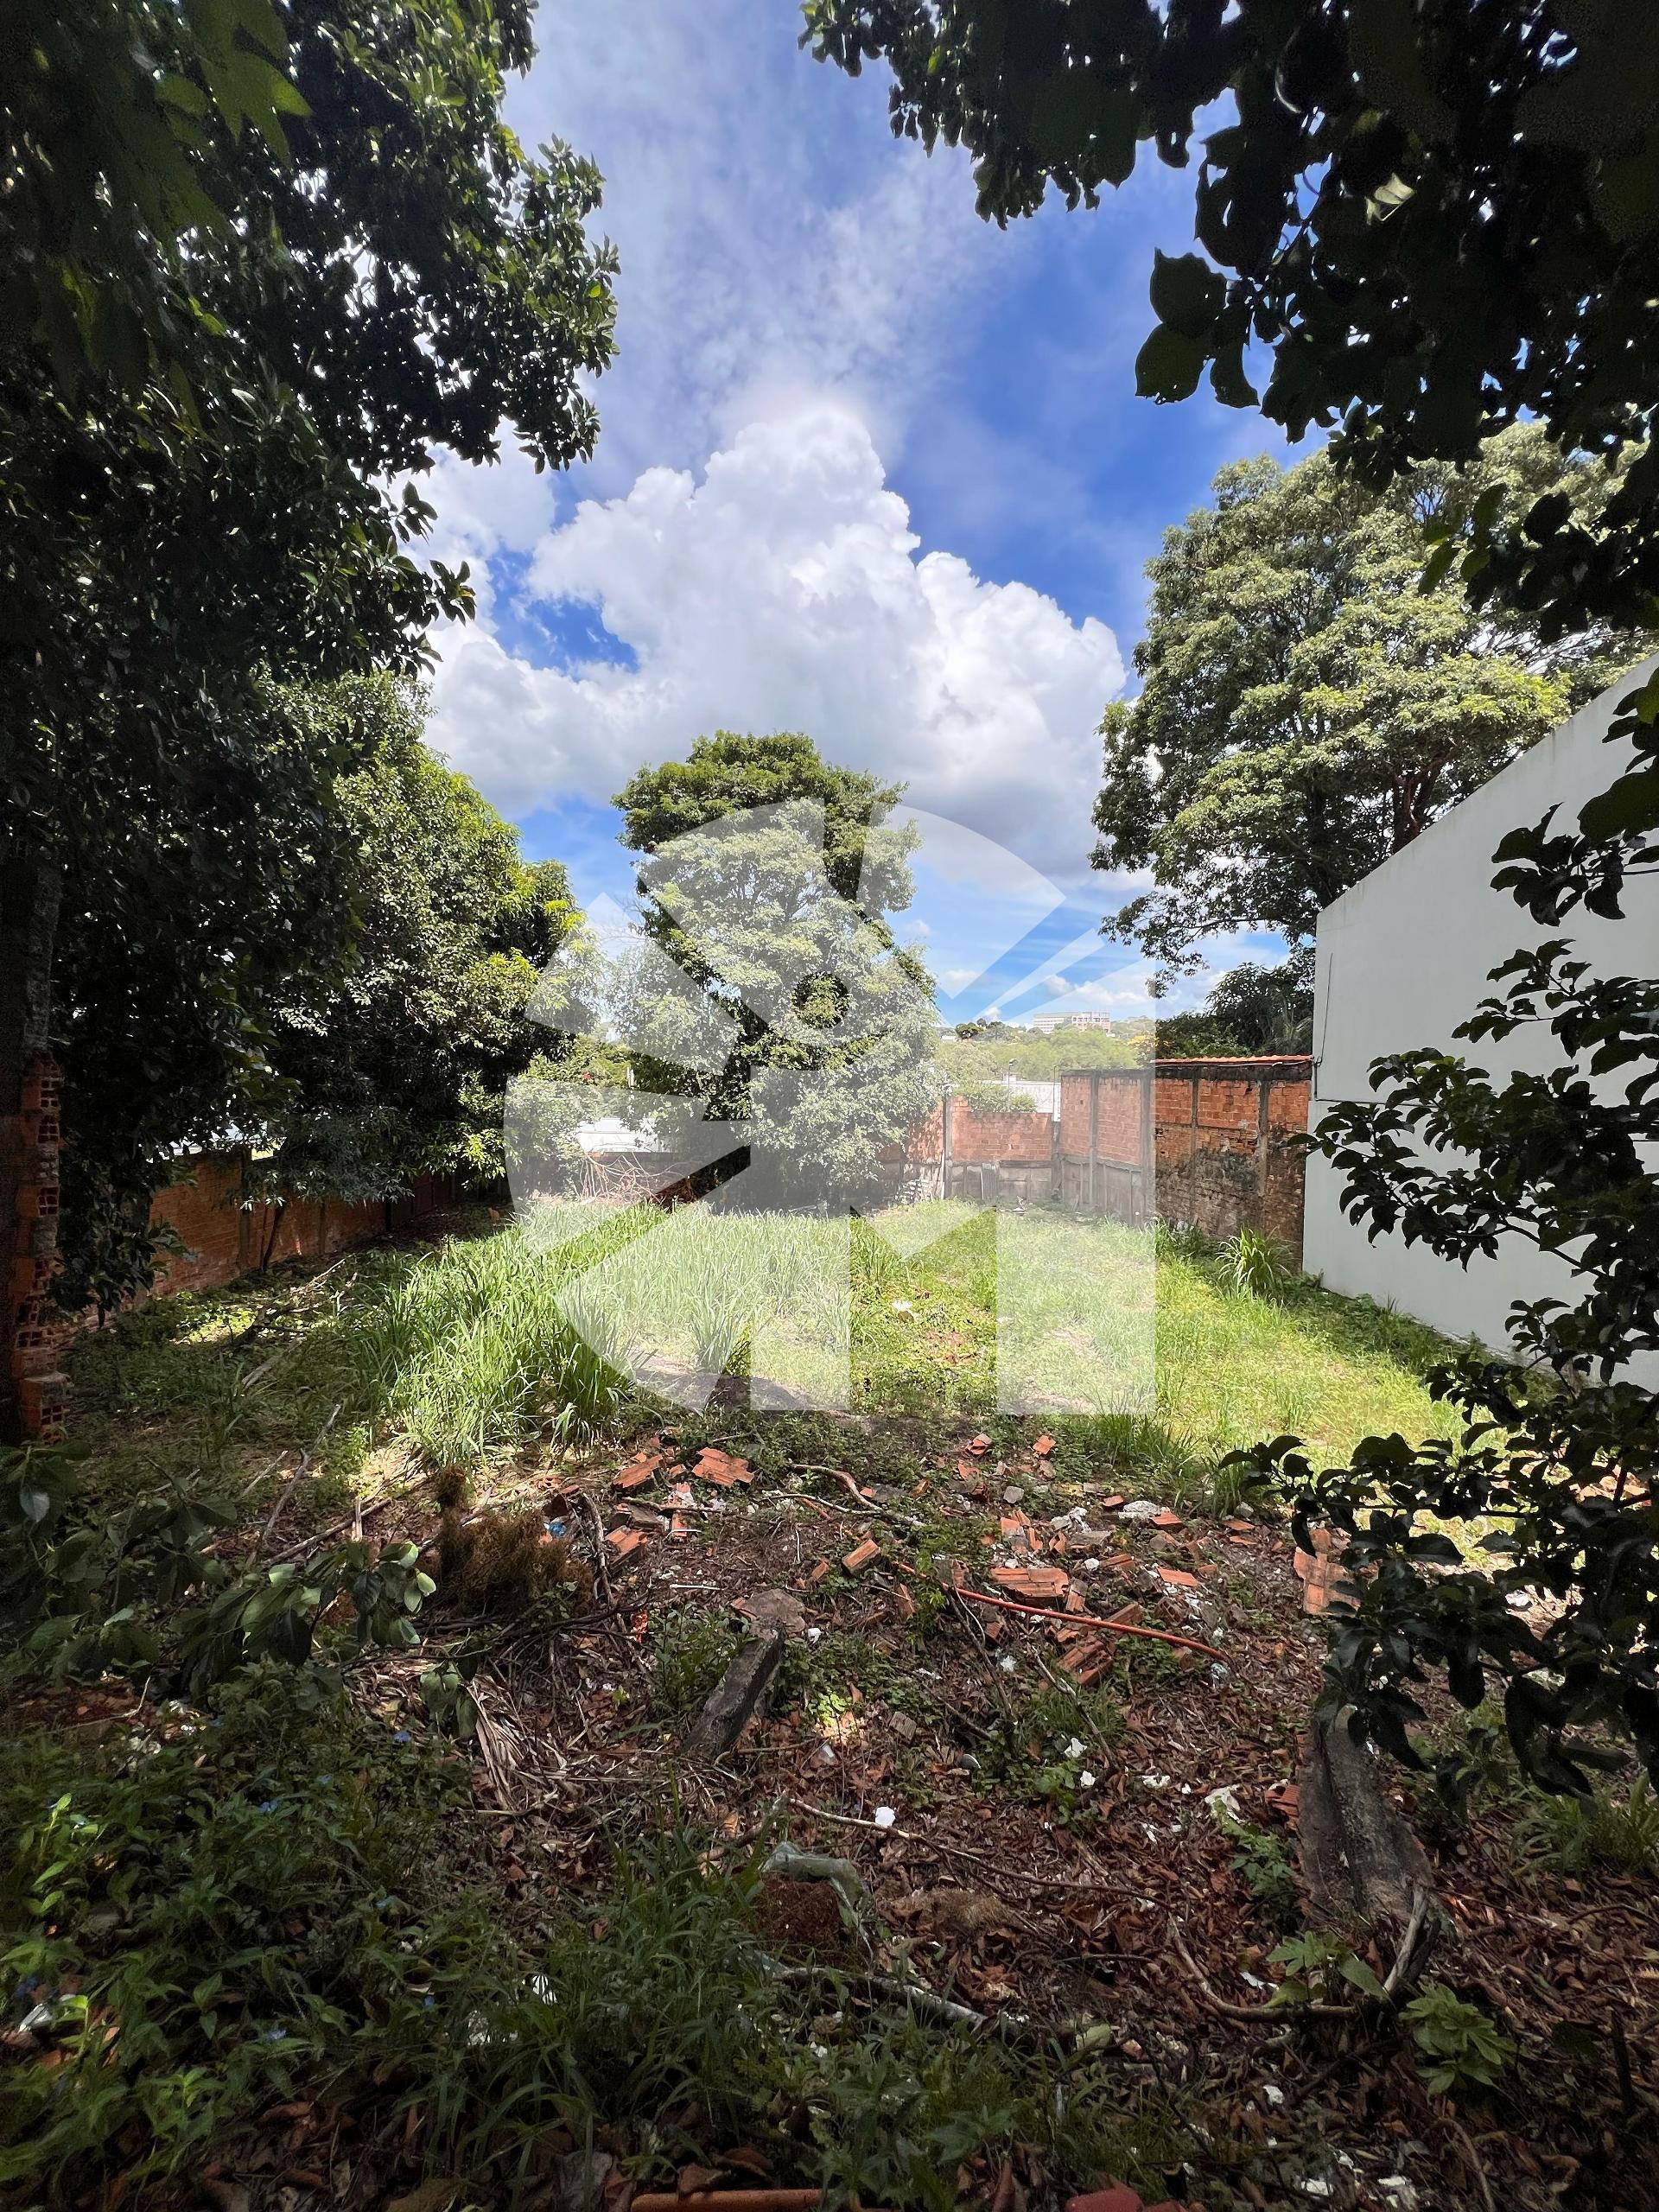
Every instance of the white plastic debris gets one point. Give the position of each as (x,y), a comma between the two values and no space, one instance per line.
(884,1816)
(813,1634)
(1141,1509)
(1074,1749)
(1272,2092)
(1006,1662)
(1224,1802)
(1085,1780)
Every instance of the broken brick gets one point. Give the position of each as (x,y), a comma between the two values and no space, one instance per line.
(862,1556)
(640,1470)
(1323,1583)
(1178,1578)
(624,1540)
(1033,1581)
(817,1574)
(721,1467)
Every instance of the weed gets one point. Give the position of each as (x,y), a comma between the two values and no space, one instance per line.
(1041,1750)
(1255,1265)
(1269,1874)
(1574,1835)
(690,1651)
(503,1563)
(819,1678)
(1320,1969)
(1459,2050)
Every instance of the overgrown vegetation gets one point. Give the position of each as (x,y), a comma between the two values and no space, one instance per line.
(283,1899)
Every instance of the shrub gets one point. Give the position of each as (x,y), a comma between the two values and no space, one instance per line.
(1459,2050)
(1574,1835)
(502,1563)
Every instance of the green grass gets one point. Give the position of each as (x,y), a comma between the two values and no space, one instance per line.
(485,1346)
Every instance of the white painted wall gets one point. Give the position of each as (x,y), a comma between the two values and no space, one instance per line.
(1404,957)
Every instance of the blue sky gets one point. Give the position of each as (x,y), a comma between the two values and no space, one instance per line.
(869,468)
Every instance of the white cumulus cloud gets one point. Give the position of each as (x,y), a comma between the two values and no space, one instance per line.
(782,590)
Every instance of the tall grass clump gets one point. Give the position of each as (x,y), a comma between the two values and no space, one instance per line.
(470,1351)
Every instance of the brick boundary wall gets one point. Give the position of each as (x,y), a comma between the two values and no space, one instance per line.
(223,1240)
(1215,1132)
(33,1342)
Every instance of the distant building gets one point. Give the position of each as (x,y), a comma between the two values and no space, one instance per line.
(1048,1023)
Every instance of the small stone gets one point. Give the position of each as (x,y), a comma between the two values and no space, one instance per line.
(1013,1492)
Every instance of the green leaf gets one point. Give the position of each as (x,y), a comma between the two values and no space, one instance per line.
(1188,295)
(1168,365)
(1631,806)
(1227,380)
(1355,1970)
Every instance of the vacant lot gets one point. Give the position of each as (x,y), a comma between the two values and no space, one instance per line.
(956,1919)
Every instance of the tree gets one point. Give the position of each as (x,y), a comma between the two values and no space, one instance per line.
(1250,1010)
(769,879)
(1305,710)
(1432,219)
(346,261)
(1554,1475)
(399,1066)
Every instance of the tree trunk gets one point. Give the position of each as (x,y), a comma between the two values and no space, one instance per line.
(30,886)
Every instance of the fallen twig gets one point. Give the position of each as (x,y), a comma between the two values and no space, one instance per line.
(282,1497)
(1270,2015)
(946,1849)
(1052,1613)
(871,1507)
(1473,2157)
(354,1521)
(886,1985)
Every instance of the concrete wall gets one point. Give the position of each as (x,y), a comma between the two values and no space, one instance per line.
(1404,957)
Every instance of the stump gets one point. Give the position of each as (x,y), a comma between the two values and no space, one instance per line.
(739,1694)
(1359,1857)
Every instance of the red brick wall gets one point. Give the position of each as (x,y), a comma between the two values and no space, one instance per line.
(1026,1137)
(223,1240)
(1223,1161)
(974,1135)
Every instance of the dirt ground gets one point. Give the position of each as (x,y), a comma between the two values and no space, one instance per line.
(1090,1887)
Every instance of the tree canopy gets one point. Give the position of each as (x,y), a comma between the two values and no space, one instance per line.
(769,880)
(1305,710)
(1430,219)
(399,1065)
(337,260)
